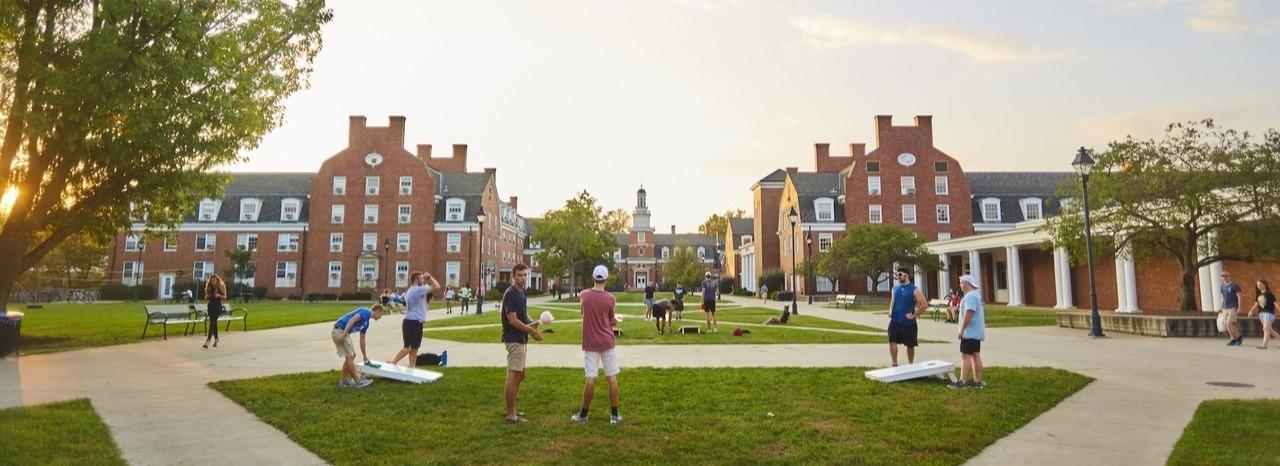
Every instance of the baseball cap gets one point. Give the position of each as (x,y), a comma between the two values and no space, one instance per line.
(708,275)
(600,273)
(970,279)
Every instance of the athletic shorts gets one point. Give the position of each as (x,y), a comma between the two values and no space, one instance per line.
(411,332)
(904,334)
(516,353)
(345,348)
(709,306)
(648,302)
(659,313)
(593,360)
(970,346)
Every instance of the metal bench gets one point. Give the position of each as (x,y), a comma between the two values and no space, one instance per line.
(936,308)
(165,315)
(227,316)
(843,300)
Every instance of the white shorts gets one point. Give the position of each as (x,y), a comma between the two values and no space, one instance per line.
(1266,317)
(594,358)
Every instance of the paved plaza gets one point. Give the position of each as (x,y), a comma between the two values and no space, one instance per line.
(153,395)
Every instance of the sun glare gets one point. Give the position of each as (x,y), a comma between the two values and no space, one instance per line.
(6,201)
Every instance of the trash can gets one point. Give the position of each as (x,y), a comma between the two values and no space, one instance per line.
(10,328)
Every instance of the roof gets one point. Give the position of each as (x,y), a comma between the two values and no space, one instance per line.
(776,176)
(270,188)
(741,227)
(661,240)
(466,186)
(813,186)
(1010,188)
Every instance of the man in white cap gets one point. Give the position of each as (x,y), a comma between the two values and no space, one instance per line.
(598,343)
(973,329)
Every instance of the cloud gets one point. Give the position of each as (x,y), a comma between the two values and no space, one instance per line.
(826,32)
(1213,17)
(1251,112)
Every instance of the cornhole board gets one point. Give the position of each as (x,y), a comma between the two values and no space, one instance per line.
(918,370)
(690,329)
(401,373)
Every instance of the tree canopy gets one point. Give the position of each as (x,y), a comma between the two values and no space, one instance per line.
(717,224)
(115,110)
(683,266)
(575,239)
(872,250)
(1169,197)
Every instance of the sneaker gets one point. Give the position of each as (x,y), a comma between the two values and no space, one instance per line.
(958,384)
(1231,343)
(344,384)
(517,420)
(578,418)
(979,385)
(363,383)
(616,418)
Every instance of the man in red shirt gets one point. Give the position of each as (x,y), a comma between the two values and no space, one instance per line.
(598,319)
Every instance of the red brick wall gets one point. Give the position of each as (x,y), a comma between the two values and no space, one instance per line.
(1038,283)
(765,233)
(1105,268)
(155,260)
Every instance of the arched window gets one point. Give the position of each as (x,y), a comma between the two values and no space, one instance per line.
(666,252)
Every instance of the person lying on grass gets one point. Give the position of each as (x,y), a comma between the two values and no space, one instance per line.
(354,321)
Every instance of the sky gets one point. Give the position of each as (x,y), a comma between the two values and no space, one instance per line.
(699,99)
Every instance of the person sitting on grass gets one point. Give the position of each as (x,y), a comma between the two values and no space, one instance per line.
(786,316)
(354,321)
(662,310)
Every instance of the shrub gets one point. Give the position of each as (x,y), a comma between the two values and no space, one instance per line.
(493,294)
(667,286)
(119,292)
(294,297)
(726,285)
(783,296)
(773,279)
(357,296)
(329,296)
(742,292)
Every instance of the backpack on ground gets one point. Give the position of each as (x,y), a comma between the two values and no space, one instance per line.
(432,359)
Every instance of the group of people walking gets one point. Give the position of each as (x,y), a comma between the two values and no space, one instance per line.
(1264,307)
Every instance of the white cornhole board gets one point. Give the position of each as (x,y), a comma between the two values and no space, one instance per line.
(401,373)
(913,371)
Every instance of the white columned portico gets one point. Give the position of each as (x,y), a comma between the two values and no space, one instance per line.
(1062,277)
(1014,275)
(975,267)
(944,278)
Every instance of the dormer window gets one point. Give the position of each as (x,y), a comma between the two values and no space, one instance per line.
(453,209)
(666,252)
(209,210)
(825,209)
(1032,208)
(746,239)
(991,210)
(289,209)
(249,209)
(702,252)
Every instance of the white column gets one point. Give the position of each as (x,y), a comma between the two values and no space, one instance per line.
(1206,288)
(1014,274)
(1215,277)
(975,266)
(944,278)
(1057,281)
(1131,280)
(1064,261)
(919,278)
(1122,294)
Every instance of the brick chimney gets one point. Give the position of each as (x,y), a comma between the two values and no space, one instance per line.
(355,130)
(858,150)
(823,161)
(424,152)
(793,169)
(673,229)
(921,134)
(513,202)
(455,164)
(381,138)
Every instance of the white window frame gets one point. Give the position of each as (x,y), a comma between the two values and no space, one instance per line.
(402,273)
(285,205)
(825,240)
(335,274)
(369,242)
(368,270)
(941,185)
(287,242)
(460,205)
(402,242)
(372,185)
(209,210)
(404,213)
(452,273)
(201,270)
(170,242)
(944,236)
(909,216)
(370,214)
(666,252)
(943,213)
(874,187)
(131,273)
(453,242)
(640,237)
(406,185)
(908,185)
(133,242)
(249,209)
(247,241)
(340,186)
(337,214)
(335,241)
(1026,205)
(825,206)
(990,201)
(286,274)
(210,242)
(875,214)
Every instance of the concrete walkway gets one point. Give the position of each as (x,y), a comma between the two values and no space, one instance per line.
(153,395)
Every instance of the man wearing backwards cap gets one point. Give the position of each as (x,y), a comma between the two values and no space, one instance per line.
(598,319)
(973,329)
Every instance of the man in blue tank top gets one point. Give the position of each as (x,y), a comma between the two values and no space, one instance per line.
(905,304)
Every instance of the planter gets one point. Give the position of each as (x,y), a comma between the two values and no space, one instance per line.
(10,329)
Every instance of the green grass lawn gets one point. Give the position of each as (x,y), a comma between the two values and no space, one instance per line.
(1004,316)
(1230,432)
(624,297)
(494,318)
(60,327)
(68,432)
(671,416)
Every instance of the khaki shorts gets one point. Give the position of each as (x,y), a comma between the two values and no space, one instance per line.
(345,348)
(1231,315)
(516,353)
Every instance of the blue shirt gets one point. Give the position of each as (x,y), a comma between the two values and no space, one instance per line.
(514,301)
(708,290)
(977,329)
(362,326)
(904,302)
(416,303)
(1229,298)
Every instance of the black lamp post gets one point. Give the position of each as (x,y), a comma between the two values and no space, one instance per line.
(480,266)
(808,257)
(793,217)
(1083,164)
(717,267)
(386,260)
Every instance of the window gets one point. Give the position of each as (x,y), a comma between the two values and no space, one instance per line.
(1031,209)
(286,274)
(666,252)
(824,285)
(825,209)
(370,214)
(335,274)
(908,213)
(402,213)
(287,242)
(640,237)
(249,209)
(941,167)
(641,251)
(908,186)
(406,185)
(617,255)
(371,184)
(368,270)
(944,213)
(369,242)
(209,210)
(873,185)
(452,272)
(402,242)
(338,213)
(339,185)
(289,209)
(702,252)
(402,273)
(170,243)
(874,214)
(944,236)
(133,243)
(206,242)
(202,270)
(335,242)
(453,210)
(941,185)
(453,242)
(824,242)
(991,210)
(132,273)
(247,241)
(873,167)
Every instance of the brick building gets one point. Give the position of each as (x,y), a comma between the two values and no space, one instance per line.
(645,251)
(372,213)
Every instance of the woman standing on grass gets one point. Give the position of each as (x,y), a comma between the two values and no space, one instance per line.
(215,290)
(1267,305)
(448,299)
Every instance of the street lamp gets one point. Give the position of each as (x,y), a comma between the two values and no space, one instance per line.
(1083,164)
(386,260)
(793,217)
(717,267)
(480,265)
(808,256)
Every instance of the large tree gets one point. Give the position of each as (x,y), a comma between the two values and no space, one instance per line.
(873,250)
(574,238)
(112,104)
(683,266)
(1199,195)
(717,224)
(617,221)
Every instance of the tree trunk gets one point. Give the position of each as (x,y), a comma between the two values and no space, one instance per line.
(1190,274)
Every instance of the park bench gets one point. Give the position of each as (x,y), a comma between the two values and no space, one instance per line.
(936,308)
(843,300)
(165,315)
(227,316)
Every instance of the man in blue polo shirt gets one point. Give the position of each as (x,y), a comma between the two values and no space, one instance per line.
(905,304)
(354,321)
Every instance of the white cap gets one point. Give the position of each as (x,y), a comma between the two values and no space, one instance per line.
(970,280)
(708,275)
(600,273)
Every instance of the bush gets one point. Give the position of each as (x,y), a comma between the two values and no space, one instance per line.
(493,294)
(120,292)
(773,279)
(783,296)
(532,292)
(357,296)
(726,285)
(294,297)
(667,286)
(742,292)
(501,287)
(329,296)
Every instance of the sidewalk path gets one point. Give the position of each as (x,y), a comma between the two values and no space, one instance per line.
(153,394)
